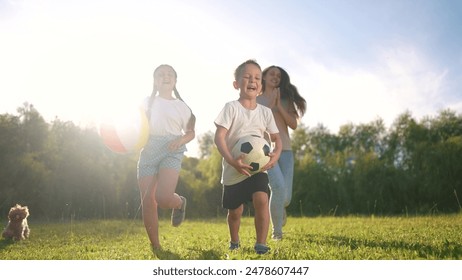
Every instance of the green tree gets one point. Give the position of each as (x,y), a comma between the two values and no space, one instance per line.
(206,144)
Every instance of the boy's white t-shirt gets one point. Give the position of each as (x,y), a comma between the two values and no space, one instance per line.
(240,122)
(168,116)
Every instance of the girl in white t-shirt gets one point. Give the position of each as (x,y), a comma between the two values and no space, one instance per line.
(171,128)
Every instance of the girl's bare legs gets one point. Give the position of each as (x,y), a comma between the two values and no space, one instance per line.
(167,180)
(262,216)
(234,222)
(158,191)
(147,186)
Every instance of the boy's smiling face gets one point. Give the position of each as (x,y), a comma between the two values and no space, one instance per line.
(249,81)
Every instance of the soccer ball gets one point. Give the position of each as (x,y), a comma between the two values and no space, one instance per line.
(256,150)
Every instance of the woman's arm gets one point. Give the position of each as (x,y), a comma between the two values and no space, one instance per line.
(289,114)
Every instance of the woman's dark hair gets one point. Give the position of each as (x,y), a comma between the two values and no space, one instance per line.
(288,90)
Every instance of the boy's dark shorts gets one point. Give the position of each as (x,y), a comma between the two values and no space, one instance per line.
(240,193)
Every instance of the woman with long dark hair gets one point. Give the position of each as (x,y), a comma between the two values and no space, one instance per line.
(288,106)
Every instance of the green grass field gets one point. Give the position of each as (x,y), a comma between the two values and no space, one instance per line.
(321,238)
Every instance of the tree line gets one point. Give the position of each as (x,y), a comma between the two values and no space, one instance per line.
(63,171)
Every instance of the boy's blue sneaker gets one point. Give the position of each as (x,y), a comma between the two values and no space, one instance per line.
(234,246)
(261,248)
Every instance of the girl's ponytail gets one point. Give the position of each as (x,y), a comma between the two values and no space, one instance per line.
(192,120)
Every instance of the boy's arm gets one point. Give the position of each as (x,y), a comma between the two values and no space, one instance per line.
(276,153)
(220,136)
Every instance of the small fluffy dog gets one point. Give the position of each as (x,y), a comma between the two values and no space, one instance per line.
(17,227)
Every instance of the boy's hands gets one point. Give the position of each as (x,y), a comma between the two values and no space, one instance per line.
(273,159)
(275,153)
(245,169)
(240,166)
(238,163)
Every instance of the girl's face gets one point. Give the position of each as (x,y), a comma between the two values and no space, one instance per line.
(272,77)
(249,82)
(165,78)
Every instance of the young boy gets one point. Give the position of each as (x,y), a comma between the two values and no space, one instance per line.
(237,119)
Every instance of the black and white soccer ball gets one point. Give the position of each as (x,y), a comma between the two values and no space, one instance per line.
(256,150)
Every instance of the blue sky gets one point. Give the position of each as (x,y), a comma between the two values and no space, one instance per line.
(353,60)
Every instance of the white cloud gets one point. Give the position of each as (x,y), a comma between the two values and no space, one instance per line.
(402,79)
(337,97)
(413,82)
